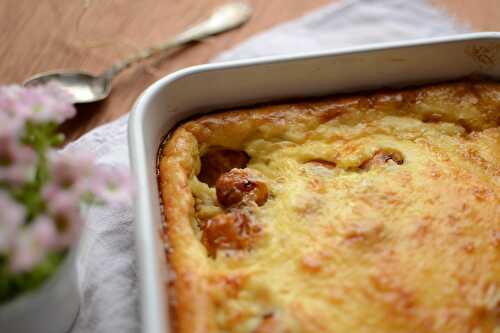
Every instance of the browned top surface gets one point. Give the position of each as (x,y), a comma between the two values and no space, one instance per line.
(367,213)
(90,34)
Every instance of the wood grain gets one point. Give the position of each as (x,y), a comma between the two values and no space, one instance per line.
(91,34)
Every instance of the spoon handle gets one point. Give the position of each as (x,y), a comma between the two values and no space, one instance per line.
(224,18)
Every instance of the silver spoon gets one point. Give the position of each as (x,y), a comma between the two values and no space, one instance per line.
(87,88)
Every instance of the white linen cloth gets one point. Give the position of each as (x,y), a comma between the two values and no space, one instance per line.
(106,263)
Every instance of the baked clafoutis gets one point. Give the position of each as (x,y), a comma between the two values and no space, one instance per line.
(377,212)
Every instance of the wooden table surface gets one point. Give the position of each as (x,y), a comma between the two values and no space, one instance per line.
(39,35)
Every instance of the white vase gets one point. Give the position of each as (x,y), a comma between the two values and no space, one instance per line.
(52,307)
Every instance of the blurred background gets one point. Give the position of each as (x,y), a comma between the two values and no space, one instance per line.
(40,35)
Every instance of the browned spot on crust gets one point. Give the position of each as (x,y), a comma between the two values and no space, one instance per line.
(495,238)
(482,193)
(309,321)
(469,248)
(308,205)
(218,161)
(323,163)
(422,231)
(434,171)
(392,294)
(311,263)
(234,230)
(371,232)
(316,185)
(335,296)
(382,157)
(432,118)
(233,284)
(329,115)
(240,186)
(269,324)
(388,101)
(481,298)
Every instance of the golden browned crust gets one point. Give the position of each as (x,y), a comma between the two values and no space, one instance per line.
(383,215)
(185,258)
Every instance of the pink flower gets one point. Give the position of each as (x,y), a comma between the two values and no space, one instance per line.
(8,97)
(11,217)
(17,161)
(77,175)
(60,199)
(112,185)
(70,174)
(54,221)
(44,232)
(70,171)
(11,126)
(63,204)
(32,244)
(65,181)
(69,224)
(40,104)
(11,122)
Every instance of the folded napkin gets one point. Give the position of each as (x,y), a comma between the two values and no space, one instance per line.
(106,263)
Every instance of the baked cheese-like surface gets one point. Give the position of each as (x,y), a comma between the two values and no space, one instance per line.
(370,213)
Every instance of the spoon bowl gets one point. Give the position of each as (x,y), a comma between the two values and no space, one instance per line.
(83,86)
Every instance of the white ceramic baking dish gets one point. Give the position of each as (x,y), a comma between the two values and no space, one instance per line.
(206,88)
